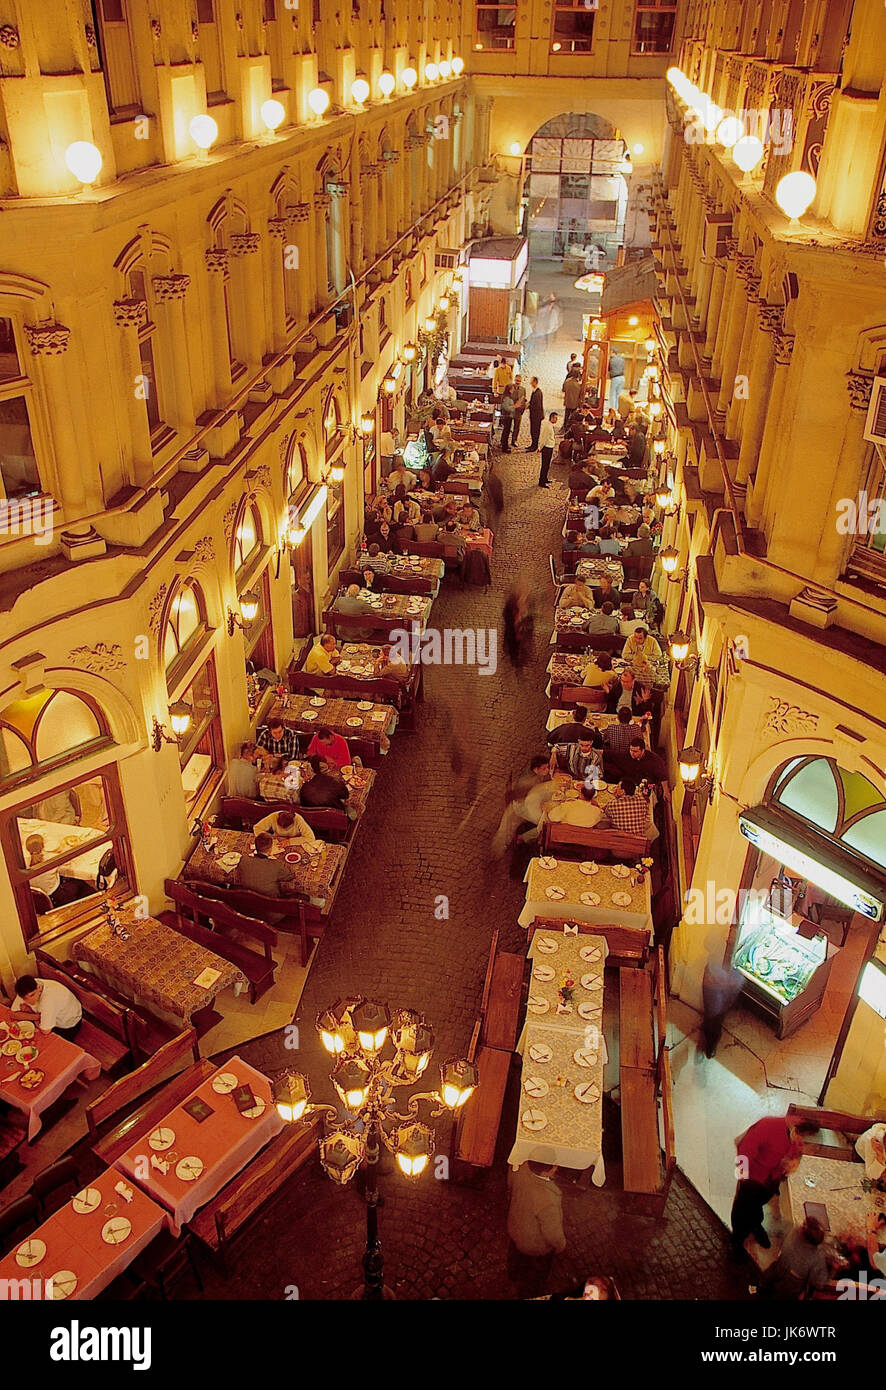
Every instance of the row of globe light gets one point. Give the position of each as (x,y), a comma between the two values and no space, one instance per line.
(794,193)
(84,159)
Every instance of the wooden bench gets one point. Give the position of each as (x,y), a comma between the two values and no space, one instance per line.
(391,583)
(635,1021)
(141,1121)
(293,915)
(502,1000)
(643,1172)
(228,1212)
(476,1129)
(328,823)
(346,625)
(139,1082)
(628,946)
(618,845)
(105,1030)
(258,967)
(838,1131)
(13,1134)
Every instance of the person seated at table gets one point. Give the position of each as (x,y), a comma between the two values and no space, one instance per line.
(599,434)
(322,787)
(49,882)
(584,811)
(630,810)
(445,510)
(573,729)
(566,449)
(242,774)
(279,782)
(583,760)
(259,873)
(425,482)
(444,443)
(324,656)
(640,648)
(469,517)
(579,480)
(607,592)
(426,529)
(640,763)
(390,667)
(802,1264)
(871,1149)
(602,494)
(602,620)
(451,534)
(598,673)
(52,1006)
(329,746)
(643,702)
(648,603)
(374,559)
(642,544)
(277,740)
(288,825)
(400,476)
(628,622)
(636,448)
(403,535)
(585,545)
(60,807)
(576,595)
(610,540)
(352,604)
(529,797)
(609,519)
(617,737)
(621,694)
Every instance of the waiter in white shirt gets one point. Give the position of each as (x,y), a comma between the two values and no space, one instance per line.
(56,1008)
(546,441)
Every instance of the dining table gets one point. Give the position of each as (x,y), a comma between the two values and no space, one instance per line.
(156,966)
(593,721)
(47,1076)
(366,720)
(79,1250)
(841,1187)
(58,838)
(587,892)
(593,568)
(424,571)
(408,609)
(198,1147)
(315,871)
(567,668)
(563,1055)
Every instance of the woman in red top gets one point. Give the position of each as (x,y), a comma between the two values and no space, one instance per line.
(332,747)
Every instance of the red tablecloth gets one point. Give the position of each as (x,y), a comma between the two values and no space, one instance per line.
(479,540)
(74,1241)
(60,1060)
(225,1142)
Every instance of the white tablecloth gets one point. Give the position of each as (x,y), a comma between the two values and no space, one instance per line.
(84,866)
(567,875)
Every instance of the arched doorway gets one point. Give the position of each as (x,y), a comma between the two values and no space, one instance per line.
(575,194)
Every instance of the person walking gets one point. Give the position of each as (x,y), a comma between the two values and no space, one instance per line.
(766,1153)
(547,439)
(571,397)
(535,1225)
(616,373)
(507,418)
(518,390)
(720,988)
(536,413)
(518,624)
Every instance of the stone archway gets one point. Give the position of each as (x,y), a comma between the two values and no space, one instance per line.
(575,193)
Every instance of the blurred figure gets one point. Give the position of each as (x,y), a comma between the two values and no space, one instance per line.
(548,321)
(720,988)
(519,624)
(535,1225)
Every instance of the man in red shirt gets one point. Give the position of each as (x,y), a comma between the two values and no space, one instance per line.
(332,747)
(767,1152)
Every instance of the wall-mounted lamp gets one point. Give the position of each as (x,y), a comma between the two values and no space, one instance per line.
(432,72)
(409,77)
(410,352)
(84,161)
(664,498)
(445,70)
(430,324)
(691,776)
(386,83)
(367,424)
(273,113)
(458,66)
(203,131)
(650,346)
(658,448)
(678,646)
(443,303)
(249,605)
(180,715)
(336,474)
(319,101)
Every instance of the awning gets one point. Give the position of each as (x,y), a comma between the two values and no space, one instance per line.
(816,859)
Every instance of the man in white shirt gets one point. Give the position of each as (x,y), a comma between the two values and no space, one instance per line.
(547,439)
(51,1004)
(584,812)
(289,825)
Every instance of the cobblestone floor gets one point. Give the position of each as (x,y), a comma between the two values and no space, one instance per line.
(441,1239)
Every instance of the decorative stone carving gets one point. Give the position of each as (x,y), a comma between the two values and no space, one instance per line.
(245,243)
(9,36)
(784,346)
(90,35)
(752,289)
(204,550)
(156,28)
(238,20)
(261,476)
(230,517)
(878,222)
(277,228)
(731,245)
(784,718)
(298,212)
(167,287)
(745,267)
(130,313)
(771,317)
(100,658)
(47,339)
(859,387)
(155,607)
(218,262)
(338,189)
(322,201)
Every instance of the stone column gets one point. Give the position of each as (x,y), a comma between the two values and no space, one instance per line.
(714,305)
(768,322)
(732,339)
(218,265)
(317,232)
(244,248)
(49,343)
(169,296)
(772,440)
(298,219)
(277,272)
(744,361)
(130,315)
(832,550)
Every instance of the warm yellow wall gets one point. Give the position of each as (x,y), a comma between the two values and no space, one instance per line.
(859,1083)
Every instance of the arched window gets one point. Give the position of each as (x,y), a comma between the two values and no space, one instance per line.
(46,730)
(296,470)
(138,288)
(229,218)
(840,804)
(185,625)
(332,428)
(247,540)
(19,475)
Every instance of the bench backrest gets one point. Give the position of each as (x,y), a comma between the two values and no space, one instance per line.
(220,913)
(143,1119)
(840,1120)
(245,812)
(616,842)
(256,904)
(383,690)
(336,622)
(109,1016)
(627,945)
(484,1001)
(138,1082)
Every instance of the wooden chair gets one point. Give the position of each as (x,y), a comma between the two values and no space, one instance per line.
(105,1030)
(259,968)
(52,1182)
(161,1262)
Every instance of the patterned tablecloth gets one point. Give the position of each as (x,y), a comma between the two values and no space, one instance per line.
(841,1187)
(359,784)
(156,966)
(315,873)
(595,721)
(345,717)
(574,620)
(554,951)
(567,668)
(559,885)
(60,1061)
(408,567)
(86,1241)
(407,608)
(592,568)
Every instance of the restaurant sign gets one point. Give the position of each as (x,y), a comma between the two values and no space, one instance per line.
(769,835)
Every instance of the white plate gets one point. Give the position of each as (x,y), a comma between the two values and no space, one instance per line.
(547,945)
(589,899)
(622,899)
(26,1030)
(317,701)
(256,1110)
(583,1058)
(591,1012)
(540,1053)
(590,953)
(588,867)
(533,1119)
(534,1086)
(354,722)
(161,1139)
(86,1201)
(537,1005)
(591,983)
(364,704)
(555,892)
(115,1231)
(189,1169)
(588,1092)
(64,1283)
(543,972)
(30,1252)
(223,1083)
(309,714)
(546,862)
(620,871)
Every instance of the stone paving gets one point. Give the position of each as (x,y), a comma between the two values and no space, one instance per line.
(441,1239)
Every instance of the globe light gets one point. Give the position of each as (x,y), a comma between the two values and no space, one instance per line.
(432,72)
(84,161)
(689,760)
(729,131)
(794,193)
(711,116)
(386,83)
(203,131)
(180,717)
(458,66)
(637,149)
(360,90)
(409,77)
(445,69)
(516,148)
(679,645)
(273,113)
(747,153)
(318,100)
(674,76)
